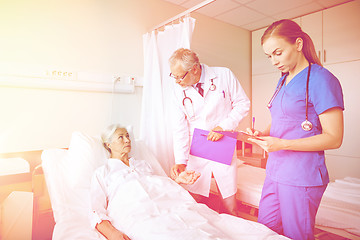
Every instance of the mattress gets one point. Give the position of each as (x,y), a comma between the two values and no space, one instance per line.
(250,181)
(340,206)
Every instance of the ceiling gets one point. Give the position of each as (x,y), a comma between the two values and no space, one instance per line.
(255,14)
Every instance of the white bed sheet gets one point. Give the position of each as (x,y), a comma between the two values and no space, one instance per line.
(71,207)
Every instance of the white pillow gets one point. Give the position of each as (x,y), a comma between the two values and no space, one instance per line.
(85,155)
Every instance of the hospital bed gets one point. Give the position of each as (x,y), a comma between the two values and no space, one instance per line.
(68,172)
(339,211)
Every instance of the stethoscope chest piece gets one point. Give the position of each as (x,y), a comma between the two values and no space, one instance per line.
(306,125)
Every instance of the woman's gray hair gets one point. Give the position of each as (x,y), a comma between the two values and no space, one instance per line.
(185,57)
(108,133)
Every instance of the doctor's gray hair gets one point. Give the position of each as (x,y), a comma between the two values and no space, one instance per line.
(185,57)
(108,134)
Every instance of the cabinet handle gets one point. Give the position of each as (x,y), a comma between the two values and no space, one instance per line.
(324,55)
(319,56)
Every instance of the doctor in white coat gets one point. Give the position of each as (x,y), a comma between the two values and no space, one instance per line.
(218,104)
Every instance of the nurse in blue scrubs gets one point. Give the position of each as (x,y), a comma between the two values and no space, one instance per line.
(306,119)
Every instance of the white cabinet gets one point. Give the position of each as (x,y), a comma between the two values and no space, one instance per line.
(345,161)
(335,32)
(341,33)
(348,74)
(312,24)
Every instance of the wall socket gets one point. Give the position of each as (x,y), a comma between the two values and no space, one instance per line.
(63,75)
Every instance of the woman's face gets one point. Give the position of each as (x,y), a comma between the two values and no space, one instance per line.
(121,142)
(282,54)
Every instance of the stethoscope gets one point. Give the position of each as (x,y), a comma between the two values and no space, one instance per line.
(186,98)
(306,125)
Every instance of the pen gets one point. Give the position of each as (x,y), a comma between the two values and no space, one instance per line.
(253,125)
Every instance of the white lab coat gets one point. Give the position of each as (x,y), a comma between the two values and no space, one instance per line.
(224,107)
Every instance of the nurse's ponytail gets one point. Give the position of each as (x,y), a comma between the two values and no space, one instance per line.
(290,31)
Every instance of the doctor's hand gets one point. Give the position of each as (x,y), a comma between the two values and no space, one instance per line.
(214,136)
(187,177)
(176,170)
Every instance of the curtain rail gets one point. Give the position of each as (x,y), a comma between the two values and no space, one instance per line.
(190,10)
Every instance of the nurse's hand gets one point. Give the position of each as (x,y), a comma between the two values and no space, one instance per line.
(187,177)
(214,136)
(253,132)
(269,144)
(176,170)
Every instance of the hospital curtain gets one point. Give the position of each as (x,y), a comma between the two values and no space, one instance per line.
(155,125)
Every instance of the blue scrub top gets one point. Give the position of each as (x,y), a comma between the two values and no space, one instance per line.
(288,112)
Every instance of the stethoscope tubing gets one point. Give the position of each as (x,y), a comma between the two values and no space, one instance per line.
(306,125)
(211,88)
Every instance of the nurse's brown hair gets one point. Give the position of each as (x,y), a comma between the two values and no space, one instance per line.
(290,31)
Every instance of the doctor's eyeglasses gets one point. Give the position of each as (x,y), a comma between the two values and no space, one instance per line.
(178,78)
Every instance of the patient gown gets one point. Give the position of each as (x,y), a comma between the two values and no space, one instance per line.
(147,206)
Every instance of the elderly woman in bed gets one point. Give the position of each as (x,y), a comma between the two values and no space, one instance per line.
(123,174)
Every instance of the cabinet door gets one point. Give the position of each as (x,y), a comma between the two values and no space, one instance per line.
(263,87)
(348,74)
(312,25)
(341,33)
(260,63)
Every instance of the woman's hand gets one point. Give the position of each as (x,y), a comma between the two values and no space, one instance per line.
(176,170)
(117,235)
(187,177)
(253,132)
(269,144)
(110,232)
(213,135)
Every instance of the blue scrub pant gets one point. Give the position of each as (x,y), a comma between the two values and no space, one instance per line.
(290,210)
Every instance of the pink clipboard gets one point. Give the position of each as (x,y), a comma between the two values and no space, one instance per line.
(220,151)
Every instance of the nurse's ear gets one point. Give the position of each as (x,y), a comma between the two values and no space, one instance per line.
(299,44)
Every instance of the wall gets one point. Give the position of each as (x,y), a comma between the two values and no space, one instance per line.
(91,36)
(219,44)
